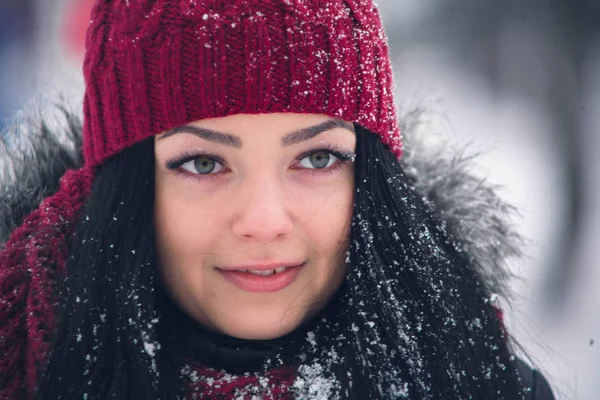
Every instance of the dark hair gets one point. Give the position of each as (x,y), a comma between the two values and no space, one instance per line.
(413,319)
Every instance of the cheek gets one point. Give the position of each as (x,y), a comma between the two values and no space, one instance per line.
(329,207)
(174,227)
(329,224)
(181,228)
(184,213)
(326,218)
(184,250)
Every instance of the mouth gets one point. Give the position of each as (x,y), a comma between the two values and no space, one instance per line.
(261,278)
(266,272)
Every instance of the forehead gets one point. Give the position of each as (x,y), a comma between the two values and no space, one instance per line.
(272,122)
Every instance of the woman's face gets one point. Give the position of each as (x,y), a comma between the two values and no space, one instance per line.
(242,196)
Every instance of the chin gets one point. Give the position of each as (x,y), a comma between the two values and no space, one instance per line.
(260,327)
(257,334)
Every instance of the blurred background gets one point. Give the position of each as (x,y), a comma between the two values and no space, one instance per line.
(518,80)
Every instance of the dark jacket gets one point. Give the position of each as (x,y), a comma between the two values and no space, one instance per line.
(540,389)
(37,151)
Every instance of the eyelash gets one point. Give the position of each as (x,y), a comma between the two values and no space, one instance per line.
(343,155)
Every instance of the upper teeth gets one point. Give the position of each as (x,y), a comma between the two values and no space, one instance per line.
(268,272)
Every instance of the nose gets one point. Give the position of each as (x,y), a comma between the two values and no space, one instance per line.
(262,212)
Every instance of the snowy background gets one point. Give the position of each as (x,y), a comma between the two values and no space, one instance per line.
(519,80)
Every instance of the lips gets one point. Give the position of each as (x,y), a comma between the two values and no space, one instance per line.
(261,278)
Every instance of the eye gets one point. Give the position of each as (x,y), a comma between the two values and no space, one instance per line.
(202,166)
(318,160)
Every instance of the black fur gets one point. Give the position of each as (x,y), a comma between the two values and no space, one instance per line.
(34,153)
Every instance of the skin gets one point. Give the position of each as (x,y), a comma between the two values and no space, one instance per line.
(258,204)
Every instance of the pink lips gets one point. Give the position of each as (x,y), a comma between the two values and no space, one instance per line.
(261,284)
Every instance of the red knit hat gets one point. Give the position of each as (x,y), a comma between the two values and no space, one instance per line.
(152,65)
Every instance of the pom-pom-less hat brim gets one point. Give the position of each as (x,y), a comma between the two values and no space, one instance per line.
(152,65)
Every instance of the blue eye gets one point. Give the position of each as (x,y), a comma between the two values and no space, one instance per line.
(318,160)
(202,165)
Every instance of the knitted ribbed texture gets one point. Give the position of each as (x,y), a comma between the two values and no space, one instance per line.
(208,383)
(152,65)
(30,263)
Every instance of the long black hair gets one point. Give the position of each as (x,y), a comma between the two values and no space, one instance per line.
(413,319)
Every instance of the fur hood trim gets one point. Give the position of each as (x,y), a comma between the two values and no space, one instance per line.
(41,146)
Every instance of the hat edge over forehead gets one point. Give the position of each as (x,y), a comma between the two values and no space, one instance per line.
(154,65)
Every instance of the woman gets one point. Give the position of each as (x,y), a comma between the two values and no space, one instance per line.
(240,226)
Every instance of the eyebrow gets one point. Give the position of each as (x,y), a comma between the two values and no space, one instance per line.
(208,134)
(291,138)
